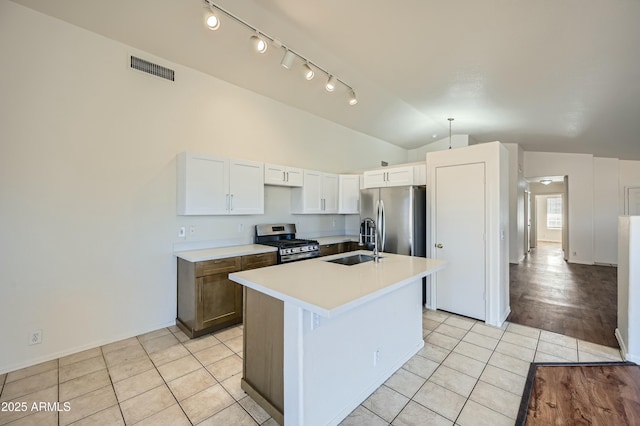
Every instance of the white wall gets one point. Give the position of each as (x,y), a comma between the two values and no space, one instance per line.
(517,187)
(629,176)
(605,210)
(457,141)
(87,181)
(628,331)
(579,168)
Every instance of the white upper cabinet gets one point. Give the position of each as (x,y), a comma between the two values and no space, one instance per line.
(209,185)
(395,176)
(318,194)
(246,187)
(282,175)
(349,194)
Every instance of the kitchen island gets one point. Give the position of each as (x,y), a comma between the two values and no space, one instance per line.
(319,337)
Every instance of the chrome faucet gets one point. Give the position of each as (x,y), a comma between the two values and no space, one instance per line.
(368,226)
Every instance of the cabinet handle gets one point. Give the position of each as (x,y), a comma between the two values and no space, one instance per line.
(231,203)
(227,202)
(287,176)
(284,176)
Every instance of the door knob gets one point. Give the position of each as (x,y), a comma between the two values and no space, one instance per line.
(439,245)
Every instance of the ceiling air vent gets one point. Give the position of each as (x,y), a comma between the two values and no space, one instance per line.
(153,69)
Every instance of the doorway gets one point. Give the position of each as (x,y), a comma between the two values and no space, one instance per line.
(546,291)
(547,214)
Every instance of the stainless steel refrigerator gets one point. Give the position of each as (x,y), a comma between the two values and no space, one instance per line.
(400,216)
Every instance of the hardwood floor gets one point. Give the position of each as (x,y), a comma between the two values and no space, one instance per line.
(594,395)
(567,298)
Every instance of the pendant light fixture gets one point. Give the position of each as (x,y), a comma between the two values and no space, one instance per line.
(450,120)
(261,42)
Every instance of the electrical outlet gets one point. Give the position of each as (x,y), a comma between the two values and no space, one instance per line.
(192,230)
(240,227)
(376,357)
(35,337)
(182,232)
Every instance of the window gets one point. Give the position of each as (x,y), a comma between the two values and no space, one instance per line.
(554,212)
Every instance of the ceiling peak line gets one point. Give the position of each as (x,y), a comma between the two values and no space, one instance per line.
(213,22)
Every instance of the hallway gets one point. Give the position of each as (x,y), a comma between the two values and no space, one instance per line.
(571,299)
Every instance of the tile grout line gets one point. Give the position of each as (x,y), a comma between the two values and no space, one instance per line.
(214,378)
(155,367)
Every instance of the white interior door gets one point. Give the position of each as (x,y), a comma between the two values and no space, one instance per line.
(459,236)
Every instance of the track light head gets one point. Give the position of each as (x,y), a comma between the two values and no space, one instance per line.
(287,59)
(308,72)
(352,98)
(331,84)
(211,19)
(259,43)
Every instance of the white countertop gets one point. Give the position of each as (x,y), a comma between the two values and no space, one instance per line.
(222,252)
(329,289)
(336,239)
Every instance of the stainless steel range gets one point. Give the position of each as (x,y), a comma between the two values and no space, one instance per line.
(283,236)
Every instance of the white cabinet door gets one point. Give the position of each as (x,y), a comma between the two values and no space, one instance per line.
(375,178)
(395,176)
(203,183)
(246,187)
(282,175)
(329,193)
(311,192)
(400,176)
(349,194)
(274,174)
(319,194)
(294,177)
(208,185)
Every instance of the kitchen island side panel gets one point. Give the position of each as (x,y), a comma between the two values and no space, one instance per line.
(333,364)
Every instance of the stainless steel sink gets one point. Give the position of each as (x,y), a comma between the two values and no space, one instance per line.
(354,259)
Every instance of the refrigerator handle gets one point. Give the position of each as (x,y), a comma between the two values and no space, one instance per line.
(383,224)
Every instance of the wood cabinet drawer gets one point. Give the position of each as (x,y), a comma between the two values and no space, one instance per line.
(261,260)
(217,266)
(327,249)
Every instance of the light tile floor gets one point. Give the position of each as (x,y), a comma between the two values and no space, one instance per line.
(468,373)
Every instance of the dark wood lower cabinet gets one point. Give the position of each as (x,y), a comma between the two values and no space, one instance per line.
(263,354)
(219,301)
(207,299)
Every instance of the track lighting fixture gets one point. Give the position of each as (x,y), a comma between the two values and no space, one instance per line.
(211,19)
(261,42)
(331,84)
(308,72)
(352,98)
(287,59)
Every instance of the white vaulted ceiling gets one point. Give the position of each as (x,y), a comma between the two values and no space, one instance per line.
(558,76)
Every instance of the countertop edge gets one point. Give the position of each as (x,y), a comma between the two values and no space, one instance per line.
(202,255)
